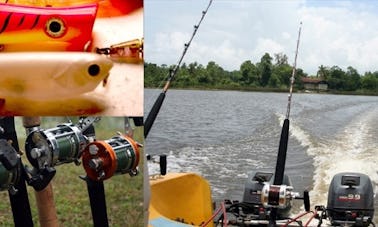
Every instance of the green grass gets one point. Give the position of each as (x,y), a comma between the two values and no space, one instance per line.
(124,194)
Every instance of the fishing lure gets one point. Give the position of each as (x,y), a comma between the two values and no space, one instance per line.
(107,8)
(51,75)
(24,28)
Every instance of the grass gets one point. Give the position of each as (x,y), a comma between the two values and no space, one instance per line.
(124,194)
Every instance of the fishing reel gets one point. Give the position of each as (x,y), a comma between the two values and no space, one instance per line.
(10,167)
(280,196)
(104,158)
(277,196)
(51,147)
(55,146)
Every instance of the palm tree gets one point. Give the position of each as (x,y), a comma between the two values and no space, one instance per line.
(322,72)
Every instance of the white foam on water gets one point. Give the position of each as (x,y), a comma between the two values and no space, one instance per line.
(297,132)
(222,166)
(352,150)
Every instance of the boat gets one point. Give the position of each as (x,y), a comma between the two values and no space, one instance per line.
(188,193)
(184,199)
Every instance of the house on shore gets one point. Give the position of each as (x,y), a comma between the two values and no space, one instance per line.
(314,84)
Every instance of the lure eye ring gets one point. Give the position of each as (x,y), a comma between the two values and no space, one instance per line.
(55,27)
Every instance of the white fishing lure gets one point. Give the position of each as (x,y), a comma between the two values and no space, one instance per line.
(51,75)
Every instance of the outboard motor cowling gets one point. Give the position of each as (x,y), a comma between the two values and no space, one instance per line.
(350,199)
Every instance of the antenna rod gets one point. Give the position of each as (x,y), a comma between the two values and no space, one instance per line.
(159,101)
(282,149)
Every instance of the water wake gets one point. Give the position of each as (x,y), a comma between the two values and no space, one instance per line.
(354,149)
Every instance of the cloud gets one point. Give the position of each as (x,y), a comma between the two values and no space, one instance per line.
(338,36)
(339,33)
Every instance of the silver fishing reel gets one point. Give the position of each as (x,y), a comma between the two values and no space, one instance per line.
(55,146)
(104,158)
(277,196)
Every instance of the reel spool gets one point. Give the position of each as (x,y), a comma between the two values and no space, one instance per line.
(104,158)
(277,196)
(10,168)
(51,147)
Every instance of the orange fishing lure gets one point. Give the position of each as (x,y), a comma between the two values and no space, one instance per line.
(24,28)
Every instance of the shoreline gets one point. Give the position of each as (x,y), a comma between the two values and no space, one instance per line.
(277,90)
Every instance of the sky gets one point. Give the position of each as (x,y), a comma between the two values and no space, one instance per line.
(341,33)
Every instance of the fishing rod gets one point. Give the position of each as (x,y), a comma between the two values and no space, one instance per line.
(159,101)
(96,194)
(282,150)
(12,174)
(41,182)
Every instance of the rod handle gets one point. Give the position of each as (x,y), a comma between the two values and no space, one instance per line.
(46,207)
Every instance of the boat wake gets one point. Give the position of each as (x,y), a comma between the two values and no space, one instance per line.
(354,149)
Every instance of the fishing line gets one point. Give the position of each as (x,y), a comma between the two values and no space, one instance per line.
(159,101)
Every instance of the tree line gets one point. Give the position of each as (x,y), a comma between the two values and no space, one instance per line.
(270,73)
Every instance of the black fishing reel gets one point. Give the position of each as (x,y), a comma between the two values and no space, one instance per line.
(10,167)
(104,158)
(55,146)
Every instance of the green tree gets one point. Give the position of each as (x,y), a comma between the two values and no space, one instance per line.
(249,74)
(281,71)
(298,76)
(265,68)
(323,72)
(260,74)
(370,81)
(274,81)
(352,80)
(215,73)
(183,77)
(280,59)
(154,74)
(336,78)
(197,72)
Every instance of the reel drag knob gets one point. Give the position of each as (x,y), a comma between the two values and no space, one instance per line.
(104,158)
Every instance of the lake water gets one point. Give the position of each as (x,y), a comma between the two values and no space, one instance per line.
(222,135)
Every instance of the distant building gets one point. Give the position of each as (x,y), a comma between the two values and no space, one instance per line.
(314,84)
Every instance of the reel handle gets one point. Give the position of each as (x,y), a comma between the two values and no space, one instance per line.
(39,179)
(306,200)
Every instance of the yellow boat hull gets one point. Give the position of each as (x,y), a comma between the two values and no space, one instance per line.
(179,199)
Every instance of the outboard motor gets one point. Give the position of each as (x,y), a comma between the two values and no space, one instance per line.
(350,200)
(257,190)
